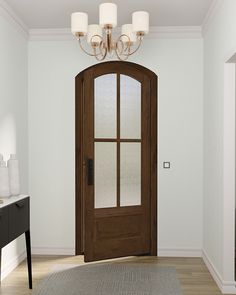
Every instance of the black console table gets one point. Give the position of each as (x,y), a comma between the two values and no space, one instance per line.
(15,221)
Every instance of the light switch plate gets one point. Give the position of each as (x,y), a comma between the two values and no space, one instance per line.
(166,165)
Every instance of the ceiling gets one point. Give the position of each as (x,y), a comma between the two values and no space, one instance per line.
(42,14)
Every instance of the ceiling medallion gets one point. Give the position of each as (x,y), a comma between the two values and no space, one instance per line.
(100,37)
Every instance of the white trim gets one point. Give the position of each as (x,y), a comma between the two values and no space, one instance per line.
(12,264)
(228,200)
(174,32)
(53,251)
(9,14)
(230,57)
(50,35)
(209,15)
(212,269)
(179,252)
(226,287)
(169,252)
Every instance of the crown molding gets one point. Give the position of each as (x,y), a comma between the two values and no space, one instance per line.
(50,35)
(9,14)
(209,15)
(174,32)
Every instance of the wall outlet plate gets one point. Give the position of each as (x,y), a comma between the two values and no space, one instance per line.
(166,165)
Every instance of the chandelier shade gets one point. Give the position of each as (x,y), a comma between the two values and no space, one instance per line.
(127,30)
(108,15)
(94,34)
(100,36)
(140,20)
(79,23)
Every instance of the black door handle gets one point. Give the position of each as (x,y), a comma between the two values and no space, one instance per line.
(90,170)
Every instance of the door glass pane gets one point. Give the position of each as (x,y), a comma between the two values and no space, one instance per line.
(130,174)
(105,174)
(130,107)
(105,106)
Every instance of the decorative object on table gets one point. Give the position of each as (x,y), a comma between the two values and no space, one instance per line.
(4,180)
(14,175)
(100,38)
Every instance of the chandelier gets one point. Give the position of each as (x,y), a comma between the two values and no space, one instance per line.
(100,36)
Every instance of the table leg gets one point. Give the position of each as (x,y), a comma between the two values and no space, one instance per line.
(29,263)
(0,265)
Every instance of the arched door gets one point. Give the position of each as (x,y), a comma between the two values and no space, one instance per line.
(116,161)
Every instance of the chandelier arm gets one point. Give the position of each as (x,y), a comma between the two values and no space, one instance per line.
(105,51)
(125,46)
(120,53)
(84,50)
(100,56)
(136,49)
(120,41)
(121,56)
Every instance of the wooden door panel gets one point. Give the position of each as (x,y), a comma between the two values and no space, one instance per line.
(120,230)
(118,227)
(119,248)
(121,234)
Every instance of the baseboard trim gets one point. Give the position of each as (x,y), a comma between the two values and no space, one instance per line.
(226,287)
(52,251)
(13,263)
(162,252)
(179,252)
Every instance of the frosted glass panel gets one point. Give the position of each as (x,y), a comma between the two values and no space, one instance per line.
(105,175)
(105,106)
(130,107)
(130,174)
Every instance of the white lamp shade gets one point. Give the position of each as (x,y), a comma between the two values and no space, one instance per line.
(127,30)
(92,31)
(140,21)
(108,15)
(79,23)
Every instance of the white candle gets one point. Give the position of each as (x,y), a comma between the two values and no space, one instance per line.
(92,31)
(108,15)
(140,21)
(79,23)
(127,30)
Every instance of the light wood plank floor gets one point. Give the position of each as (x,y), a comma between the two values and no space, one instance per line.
(192,273)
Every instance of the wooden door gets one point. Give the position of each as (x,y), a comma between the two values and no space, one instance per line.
(116,161)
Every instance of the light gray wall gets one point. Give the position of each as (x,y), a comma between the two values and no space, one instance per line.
(13,112)
(52,68)
(219,43)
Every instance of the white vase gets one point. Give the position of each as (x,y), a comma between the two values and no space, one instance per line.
(4,181)
(14,175)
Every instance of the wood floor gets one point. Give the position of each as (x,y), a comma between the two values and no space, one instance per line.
(191,272)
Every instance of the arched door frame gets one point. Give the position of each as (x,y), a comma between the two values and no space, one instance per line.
(102,69)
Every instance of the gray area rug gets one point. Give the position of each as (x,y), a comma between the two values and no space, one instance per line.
(111,279)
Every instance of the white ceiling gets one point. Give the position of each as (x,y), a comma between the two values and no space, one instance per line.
(41,14)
